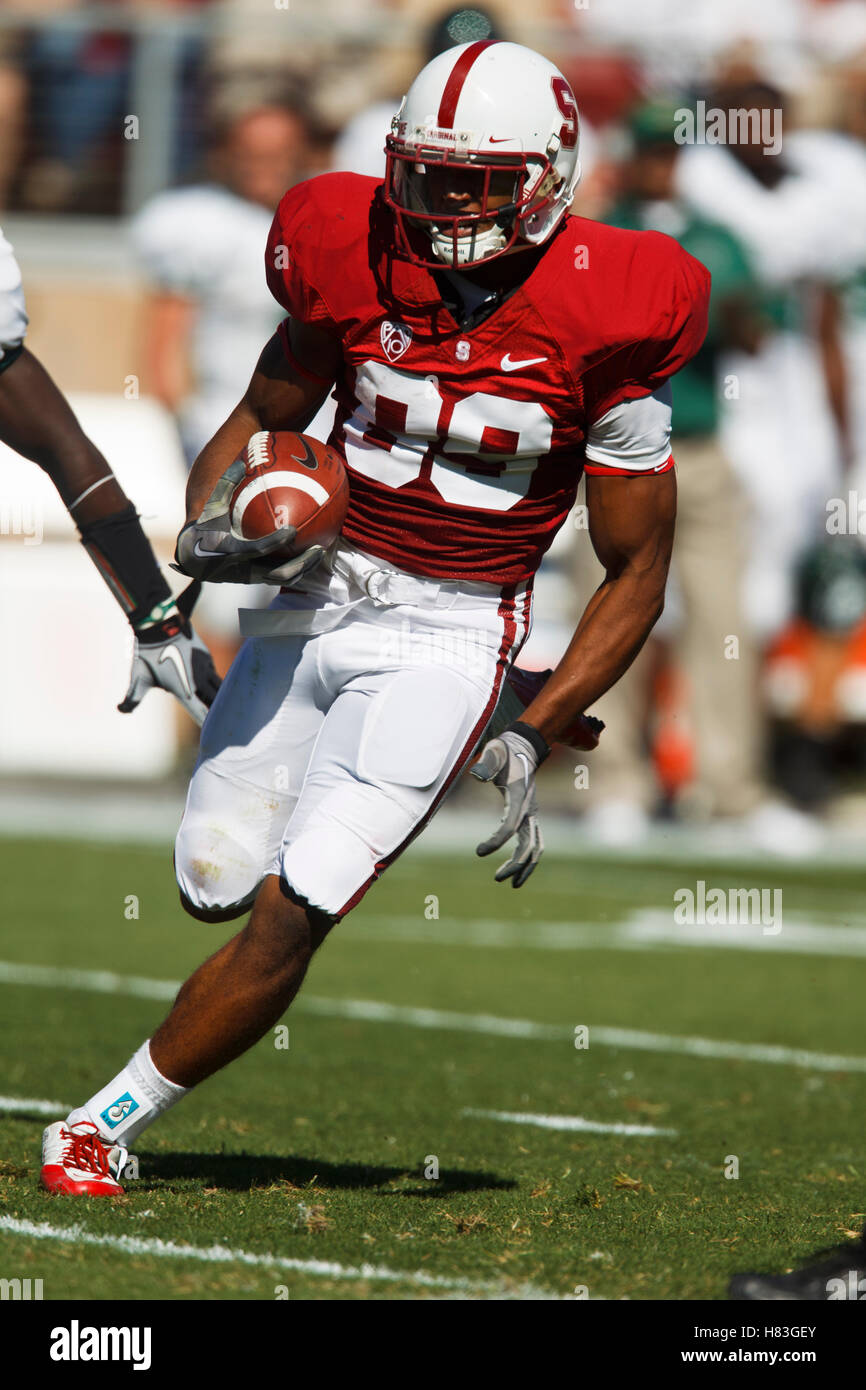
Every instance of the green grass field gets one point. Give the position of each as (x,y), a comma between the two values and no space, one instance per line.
(306,1166)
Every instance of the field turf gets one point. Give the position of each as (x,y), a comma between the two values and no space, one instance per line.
(300,1170)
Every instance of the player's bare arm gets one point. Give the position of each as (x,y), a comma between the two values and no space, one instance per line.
(292,378)
(37,422)
(279,396)
(631,525)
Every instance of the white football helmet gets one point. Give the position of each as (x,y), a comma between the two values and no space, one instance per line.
(486,120)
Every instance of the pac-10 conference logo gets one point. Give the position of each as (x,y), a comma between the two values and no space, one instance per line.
(396,338)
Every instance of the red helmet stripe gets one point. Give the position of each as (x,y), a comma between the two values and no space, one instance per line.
(454,85)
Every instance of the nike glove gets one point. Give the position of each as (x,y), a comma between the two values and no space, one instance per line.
(171,656)
(510,763)
(208,549)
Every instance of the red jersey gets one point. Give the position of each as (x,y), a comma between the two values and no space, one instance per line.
(464,446)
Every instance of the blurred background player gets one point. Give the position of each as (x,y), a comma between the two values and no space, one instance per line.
(200,247)
(37,422)
(718,770)
(800,212)
(208,309)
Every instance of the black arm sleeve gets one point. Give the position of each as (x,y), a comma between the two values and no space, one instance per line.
(122,553)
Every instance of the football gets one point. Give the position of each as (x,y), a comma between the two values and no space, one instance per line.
(290,480)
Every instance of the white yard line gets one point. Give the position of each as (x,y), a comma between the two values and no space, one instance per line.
(221,1254)
(93,981)
(20,1105)
(377,1011)
(566,1122)
(642,931)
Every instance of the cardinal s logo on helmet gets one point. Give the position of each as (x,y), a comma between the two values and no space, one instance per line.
(482,155)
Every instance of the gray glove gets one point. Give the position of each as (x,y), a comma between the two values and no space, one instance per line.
(171,656)
(209,550)
(510,762)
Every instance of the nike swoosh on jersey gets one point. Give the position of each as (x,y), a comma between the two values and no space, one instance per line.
(509,366)
(173,655)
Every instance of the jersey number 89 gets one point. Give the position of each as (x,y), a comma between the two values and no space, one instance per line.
(505,437)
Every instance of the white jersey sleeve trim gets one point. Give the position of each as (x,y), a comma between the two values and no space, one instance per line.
(634,435)
(13,314)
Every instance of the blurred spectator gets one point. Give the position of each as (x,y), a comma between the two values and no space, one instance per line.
(714,650)
(209,311)
(678,43)
(80,80)
(835,30)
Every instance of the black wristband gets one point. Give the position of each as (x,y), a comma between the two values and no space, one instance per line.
(532,736)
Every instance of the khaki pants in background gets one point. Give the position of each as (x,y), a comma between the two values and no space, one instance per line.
(724,713)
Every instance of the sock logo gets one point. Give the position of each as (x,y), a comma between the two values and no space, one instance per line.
(119,1110)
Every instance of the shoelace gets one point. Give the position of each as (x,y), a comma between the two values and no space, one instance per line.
(86,1151)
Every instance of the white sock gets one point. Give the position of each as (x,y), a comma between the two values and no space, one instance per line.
(131,1102)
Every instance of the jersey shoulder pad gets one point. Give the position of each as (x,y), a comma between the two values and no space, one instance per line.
(643,308)
(319,246)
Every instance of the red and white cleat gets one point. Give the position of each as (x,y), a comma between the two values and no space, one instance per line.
(77,1161)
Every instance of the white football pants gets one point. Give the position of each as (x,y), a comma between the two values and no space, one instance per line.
(347,714)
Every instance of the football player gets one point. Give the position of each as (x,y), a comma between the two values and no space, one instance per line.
(37,422)
(485,348)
